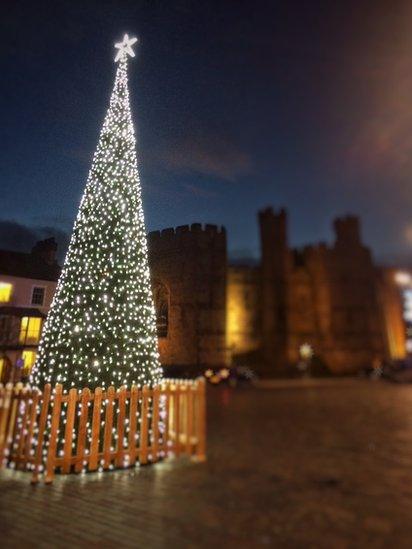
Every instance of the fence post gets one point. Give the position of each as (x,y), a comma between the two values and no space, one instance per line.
(201,420)
(54,430)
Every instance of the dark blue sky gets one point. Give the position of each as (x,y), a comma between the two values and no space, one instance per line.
(237,105)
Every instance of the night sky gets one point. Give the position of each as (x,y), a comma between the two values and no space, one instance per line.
(238,105)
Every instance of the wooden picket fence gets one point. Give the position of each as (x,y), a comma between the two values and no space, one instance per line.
(45,432)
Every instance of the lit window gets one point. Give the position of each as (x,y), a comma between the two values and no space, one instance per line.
(30,330)
(2,364)
(37,297)
(29,358)
(5,292)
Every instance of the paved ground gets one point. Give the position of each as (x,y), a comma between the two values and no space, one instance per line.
(326,466)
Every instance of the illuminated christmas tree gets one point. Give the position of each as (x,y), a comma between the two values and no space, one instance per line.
(101,328)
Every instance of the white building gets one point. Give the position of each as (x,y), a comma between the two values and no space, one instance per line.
(27,285)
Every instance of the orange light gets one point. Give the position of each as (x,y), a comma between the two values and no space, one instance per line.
(224,373)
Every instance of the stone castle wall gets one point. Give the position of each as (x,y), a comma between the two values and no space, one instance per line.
(189,263)
(214,314)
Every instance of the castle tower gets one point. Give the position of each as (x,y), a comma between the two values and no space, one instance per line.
(189,270)
(274,275)
(347,231)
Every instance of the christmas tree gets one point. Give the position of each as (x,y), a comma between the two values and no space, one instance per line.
(101,327)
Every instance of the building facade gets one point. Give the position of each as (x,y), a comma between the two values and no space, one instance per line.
(27,285)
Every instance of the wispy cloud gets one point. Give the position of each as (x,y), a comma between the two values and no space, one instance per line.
(207,155)
(199,191)
(382,138)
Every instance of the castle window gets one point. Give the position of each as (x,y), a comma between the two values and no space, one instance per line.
(5,292)
(30,330)
(161,301)
(37,296)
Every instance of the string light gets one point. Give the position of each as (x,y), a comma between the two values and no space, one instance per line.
(101,329)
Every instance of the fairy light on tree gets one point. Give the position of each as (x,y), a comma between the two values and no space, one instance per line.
(101,328)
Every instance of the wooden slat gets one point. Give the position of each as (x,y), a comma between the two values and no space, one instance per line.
(107,441)
(44,412)
(134,395)
(189,419)
(26,398)
(95,438)
(176,419)
(6,401)
(13,427)
(55,420)
(155,424)
(68,434)
(143,450)
(82,430)
(167,402)
(121,416)
(201,420)
(32,422)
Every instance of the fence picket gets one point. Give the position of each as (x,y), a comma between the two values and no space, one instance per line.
(201,420)
(189,418)
(176,418)
(14,430)
(68,433)
(45,402)
(134,395)
(155,424)
(54,428)
(108,425)
(24,402)
(82,430)
(6,402)
(144,425)
(165,437)
(32,420)
(121,415)
(95,440)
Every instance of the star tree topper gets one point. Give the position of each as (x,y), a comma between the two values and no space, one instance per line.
(125,47)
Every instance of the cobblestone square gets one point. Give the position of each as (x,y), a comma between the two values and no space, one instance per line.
(324,464)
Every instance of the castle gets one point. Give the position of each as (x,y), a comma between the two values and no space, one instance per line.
(330,299)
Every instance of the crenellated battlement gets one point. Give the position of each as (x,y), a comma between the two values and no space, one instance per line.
(193,229)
